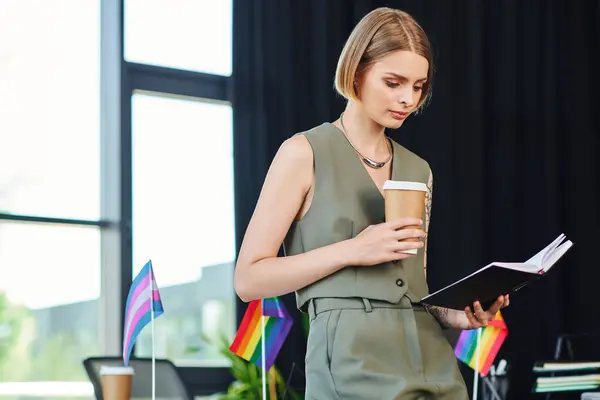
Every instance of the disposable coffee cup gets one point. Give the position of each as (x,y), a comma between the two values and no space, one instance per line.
(116,382)
(405,199)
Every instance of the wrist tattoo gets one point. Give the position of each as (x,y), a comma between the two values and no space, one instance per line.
(440,314)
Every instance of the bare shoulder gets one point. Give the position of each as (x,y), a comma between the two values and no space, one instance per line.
(295,150)
(294,158)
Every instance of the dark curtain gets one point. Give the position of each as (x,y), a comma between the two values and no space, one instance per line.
(511,135)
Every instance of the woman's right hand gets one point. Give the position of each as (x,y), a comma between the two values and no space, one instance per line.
(384,242)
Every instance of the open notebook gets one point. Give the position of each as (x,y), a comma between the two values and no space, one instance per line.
(498,278)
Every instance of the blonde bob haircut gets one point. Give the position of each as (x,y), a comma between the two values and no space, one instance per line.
(379,33)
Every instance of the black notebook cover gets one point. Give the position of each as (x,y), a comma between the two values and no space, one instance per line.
(485,287)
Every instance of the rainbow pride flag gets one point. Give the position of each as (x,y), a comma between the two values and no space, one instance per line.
(248,340)
(492,337)
(143,304)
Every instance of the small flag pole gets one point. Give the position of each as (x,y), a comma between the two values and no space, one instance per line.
(263,351)
(272,384)
(476,375)
(153,356)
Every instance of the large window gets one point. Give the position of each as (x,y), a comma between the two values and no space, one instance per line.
(183,219)
(49,196)
(177,130)
(49,99)
(49,290)
(115,148)
(192,35)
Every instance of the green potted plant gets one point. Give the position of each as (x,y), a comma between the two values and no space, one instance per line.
(248,379)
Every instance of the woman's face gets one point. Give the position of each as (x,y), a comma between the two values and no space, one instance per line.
(391,88)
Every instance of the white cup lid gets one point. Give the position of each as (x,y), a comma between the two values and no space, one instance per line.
(405,185)
(116,370)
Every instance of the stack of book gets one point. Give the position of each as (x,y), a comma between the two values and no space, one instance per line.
(567,376)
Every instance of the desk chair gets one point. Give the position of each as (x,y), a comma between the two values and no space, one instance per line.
(169,382)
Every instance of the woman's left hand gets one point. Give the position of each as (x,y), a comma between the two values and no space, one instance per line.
(478,317)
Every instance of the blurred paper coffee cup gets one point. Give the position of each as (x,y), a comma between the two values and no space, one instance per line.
(116,382)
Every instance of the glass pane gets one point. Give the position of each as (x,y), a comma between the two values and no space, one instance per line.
(183,220)
(49,101)
(49,292)
(185,34)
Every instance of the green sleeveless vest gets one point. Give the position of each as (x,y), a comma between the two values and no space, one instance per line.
(345,202)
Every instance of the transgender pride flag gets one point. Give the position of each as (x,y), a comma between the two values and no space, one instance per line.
(143,306)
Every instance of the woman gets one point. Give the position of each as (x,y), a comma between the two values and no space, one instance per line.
(322,198)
